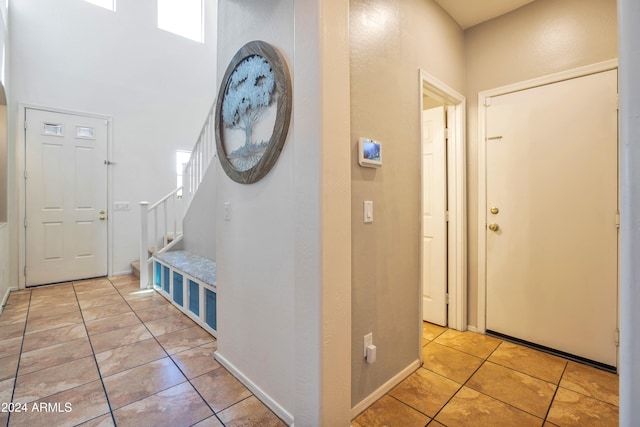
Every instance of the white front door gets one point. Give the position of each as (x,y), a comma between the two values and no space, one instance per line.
(66,197)
(434,225)
(552,199)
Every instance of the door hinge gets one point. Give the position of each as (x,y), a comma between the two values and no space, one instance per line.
(26,221)
(446,134)
(617,337)
(446,298)
(25,125)
(487,101)
(446,216)
(25,174)
(617,101)
(25,271)
(107,122)
(618,219)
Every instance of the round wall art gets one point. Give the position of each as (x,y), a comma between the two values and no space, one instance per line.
(253,112)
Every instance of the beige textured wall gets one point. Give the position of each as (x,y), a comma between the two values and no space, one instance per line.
(390,41)
(544,37)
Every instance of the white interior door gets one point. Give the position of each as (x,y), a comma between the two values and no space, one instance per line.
(434,226)
(552,191)
(66,197)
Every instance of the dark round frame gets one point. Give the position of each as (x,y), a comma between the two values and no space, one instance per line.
(283,112)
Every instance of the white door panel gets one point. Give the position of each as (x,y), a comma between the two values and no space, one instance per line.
(66,197)
(552,173)
(434,204)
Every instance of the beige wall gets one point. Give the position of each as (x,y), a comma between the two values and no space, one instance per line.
(544,37)
(390,41)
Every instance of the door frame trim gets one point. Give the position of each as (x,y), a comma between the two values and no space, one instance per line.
(21,159)
(482,163)
(457,200)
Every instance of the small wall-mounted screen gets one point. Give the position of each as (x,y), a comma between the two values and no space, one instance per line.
(369,153)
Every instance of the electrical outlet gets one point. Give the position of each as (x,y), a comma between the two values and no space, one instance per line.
(368,340)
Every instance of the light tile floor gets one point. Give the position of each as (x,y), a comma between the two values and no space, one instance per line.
(102,353)
(469,379)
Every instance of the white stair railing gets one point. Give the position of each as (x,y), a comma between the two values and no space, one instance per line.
(163,222)
(169,210)
(203,151)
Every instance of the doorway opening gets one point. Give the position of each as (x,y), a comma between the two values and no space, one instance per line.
(443,242)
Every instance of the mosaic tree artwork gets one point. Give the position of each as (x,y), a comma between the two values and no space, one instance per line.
(249,93)
(253,112)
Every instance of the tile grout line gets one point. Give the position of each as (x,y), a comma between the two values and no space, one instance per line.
(555,392)
(93,353)
(443,376)
(485,360)
(154,338)
(168,356)
(515,370)
(24,330)
(215,414)
(467,380)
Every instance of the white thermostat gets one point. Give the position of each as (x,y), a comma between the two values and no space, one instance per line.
(369,153)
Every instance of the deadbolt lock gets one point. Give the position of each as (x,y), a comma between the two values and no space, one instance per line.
(494,227)
(102,212)
(494,210)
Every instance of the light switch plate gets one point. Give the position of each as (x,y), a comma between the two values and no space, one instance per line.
(121,206)
(368,211)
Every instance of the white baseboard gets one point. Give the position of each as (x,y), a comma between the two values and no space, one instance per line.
(257,391)
(384,389)
(5,297)
(122,273)
(472,328)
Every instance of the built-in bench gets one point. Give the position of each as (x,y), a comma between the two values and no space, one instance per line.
(188,281)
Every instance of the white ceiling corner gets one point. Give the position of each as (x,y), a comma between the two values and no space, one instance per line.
(468,13)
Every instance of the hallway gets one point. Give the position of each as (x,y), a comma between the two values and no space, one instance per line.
(102,352)
(470,379)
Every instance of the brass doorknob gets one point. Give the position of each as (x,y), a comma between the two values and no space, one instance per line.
(494,210)
(102,212)
(494,227)
(102,217)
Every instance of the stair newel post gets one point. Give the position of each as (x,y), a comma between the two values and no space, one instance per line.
(144,245)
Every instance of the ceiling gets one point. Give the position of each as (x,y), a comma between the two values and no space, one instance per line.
(468,13)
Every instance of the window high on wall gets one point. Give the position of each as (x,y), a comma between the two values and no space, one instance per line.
(182,157)
(182,17)
(107,4)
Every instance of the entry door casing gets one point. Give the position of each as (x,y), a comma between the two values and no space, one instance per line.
(552,177)
(66,197)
